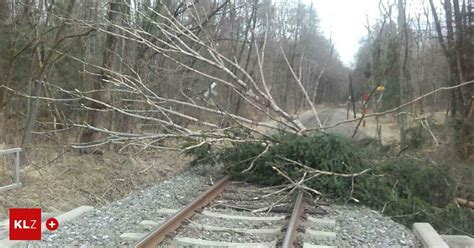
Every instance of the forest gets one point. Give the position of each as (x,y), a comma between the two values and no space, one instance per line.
(226,81)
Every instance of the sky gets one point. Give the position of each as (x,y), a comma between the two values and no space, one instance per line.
(345,22)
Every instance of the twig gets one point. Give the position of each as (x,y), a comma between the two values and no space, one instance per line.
(465,203)
(305,93)
(277,192)
(194,146)
(427,127)
(256,158)
(394,109)
(363,113)
(321,172)
(268,209)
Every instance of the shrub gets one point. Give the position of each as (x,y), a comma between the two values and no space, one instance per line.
(405,188)
(323,152)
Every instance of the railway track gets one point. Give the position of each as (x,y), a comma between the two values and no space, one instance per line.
(233,214)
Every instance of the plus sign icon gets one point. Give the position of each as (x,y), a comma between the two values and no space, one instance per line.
(25,224)
(52,224)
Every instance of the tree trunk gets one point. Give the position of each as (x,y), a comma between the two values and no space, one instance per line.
(97,117)
(4,71)
(403,59)
(32,112)
(453,49)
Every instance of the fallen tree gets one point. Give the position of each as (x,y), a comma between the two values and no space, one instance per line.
(297,158)
(342,170)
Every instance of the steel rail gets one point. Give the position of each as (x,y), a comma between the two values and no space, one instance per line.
(174,222)
(292,230)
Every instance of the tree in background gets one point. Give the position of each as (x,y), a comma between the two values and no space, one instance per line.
(105,73)
(403,57)
(457,47)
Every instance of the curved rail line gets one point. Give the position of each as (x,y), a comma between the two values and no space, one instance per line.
(154,238)
(174,222)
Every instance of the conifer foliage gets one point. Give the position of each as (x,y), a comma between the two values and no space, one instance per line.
(408,189)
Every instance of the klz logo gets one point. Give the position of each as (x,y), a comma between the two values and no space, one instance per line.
(25,223)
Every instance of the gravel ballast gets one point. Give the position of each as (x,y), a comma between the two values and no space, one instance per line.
(356,226)
(103,226)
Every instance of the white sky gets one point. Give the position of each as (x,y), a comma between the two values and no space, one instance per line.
(345,22)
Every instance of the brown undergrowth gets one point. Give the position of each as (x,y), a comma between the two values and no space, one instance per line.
(58,180)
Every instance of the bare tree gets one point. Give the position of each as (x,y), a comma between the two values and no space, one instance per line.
(101,93)
(453,49)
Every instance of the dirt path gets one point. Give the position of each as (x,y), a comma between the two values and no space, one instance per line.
(331,116)
(328,117)
(336,114)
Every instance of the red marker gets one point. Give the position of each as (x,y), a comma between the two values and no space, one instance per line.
(52,224)
(25,224)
